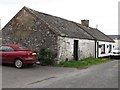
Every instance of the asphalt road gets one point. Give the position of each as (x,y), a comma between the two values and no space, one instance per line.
(98,76)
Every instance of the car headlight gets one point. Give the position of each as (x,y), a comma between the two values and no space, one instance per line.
(34,54)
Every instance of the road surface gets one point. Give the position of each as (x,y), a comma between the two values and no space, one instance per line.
(98,76)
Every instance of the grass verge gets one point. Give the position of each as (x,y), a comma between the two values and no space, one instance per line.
(83,63)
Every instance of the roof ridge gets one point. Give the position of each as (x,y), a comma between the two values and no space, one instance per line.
(58,31)
(55,17)
(51,15)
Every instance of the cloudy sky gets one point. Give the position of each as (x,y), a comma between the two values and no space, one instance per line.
(103,13)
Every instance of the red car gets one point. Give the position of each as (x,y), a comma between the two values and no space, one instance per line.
(17,55)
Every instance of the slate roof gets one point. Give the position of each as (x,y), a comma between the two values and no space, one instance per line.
(61,26)
(69,28)
(114,37)
(97,34)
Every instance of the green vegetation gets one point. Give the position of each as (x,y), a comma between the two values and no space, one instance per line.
(46,57)
(83,63)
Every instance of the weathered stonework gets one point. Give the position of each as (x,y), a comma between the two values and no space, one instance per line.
(29,31)
(86,48)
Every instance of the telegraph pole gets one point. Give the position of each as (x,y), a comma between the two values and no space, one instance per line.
(0,24)
(0,34)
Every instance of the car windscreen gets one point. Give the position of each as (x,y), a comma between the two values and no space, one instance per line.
(116,48)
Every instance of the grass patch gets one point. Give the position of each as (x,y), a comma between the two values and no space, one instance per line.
(83,63)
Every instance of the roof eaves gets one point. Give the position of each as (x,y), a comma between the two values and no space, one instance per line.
(111,40)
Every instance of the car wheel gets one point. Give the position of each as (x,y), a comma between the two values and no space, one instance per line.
(18,63)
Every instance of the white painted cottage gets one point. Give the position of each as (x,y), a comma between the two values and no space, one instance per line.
(103,43)
(67,39)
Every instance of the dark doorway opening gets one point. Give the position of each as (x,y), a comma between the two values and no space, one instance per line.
(97,50)
(76,49)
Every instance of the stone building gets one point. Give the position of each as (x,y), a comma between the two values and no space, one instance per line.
(67,39)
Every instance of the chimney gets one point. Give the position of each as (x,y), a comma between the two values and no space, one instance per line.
(85,23)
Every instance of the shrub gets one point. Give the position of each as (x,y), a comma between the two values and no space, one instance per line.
(46,57)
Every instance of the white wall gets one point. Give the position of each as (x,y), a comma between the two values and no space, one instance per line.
(106,49)
(86,48)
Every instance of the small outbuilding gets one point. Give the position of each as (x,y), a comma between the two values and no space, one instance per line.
(67,39)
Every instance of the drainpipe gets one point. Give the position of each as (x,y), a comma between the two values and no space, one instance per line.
(96,49)
(0,24)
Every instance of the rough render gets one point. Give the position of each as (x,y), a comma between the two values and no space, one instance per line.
(29,31)
(66,45)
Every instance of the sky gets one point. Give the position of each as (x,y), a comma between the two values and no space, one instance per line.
(100,13)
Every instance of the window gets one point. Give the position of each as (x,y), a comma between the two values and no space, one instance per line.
(113,46)
(110,48)
(6,49)
(102,48)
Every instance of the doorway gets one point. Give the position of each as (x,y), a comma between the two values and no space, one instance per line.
(76,49)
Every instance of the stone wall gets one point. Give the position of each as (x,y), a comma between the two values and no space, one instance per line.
(65,48)
(29,31)
(86,48)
